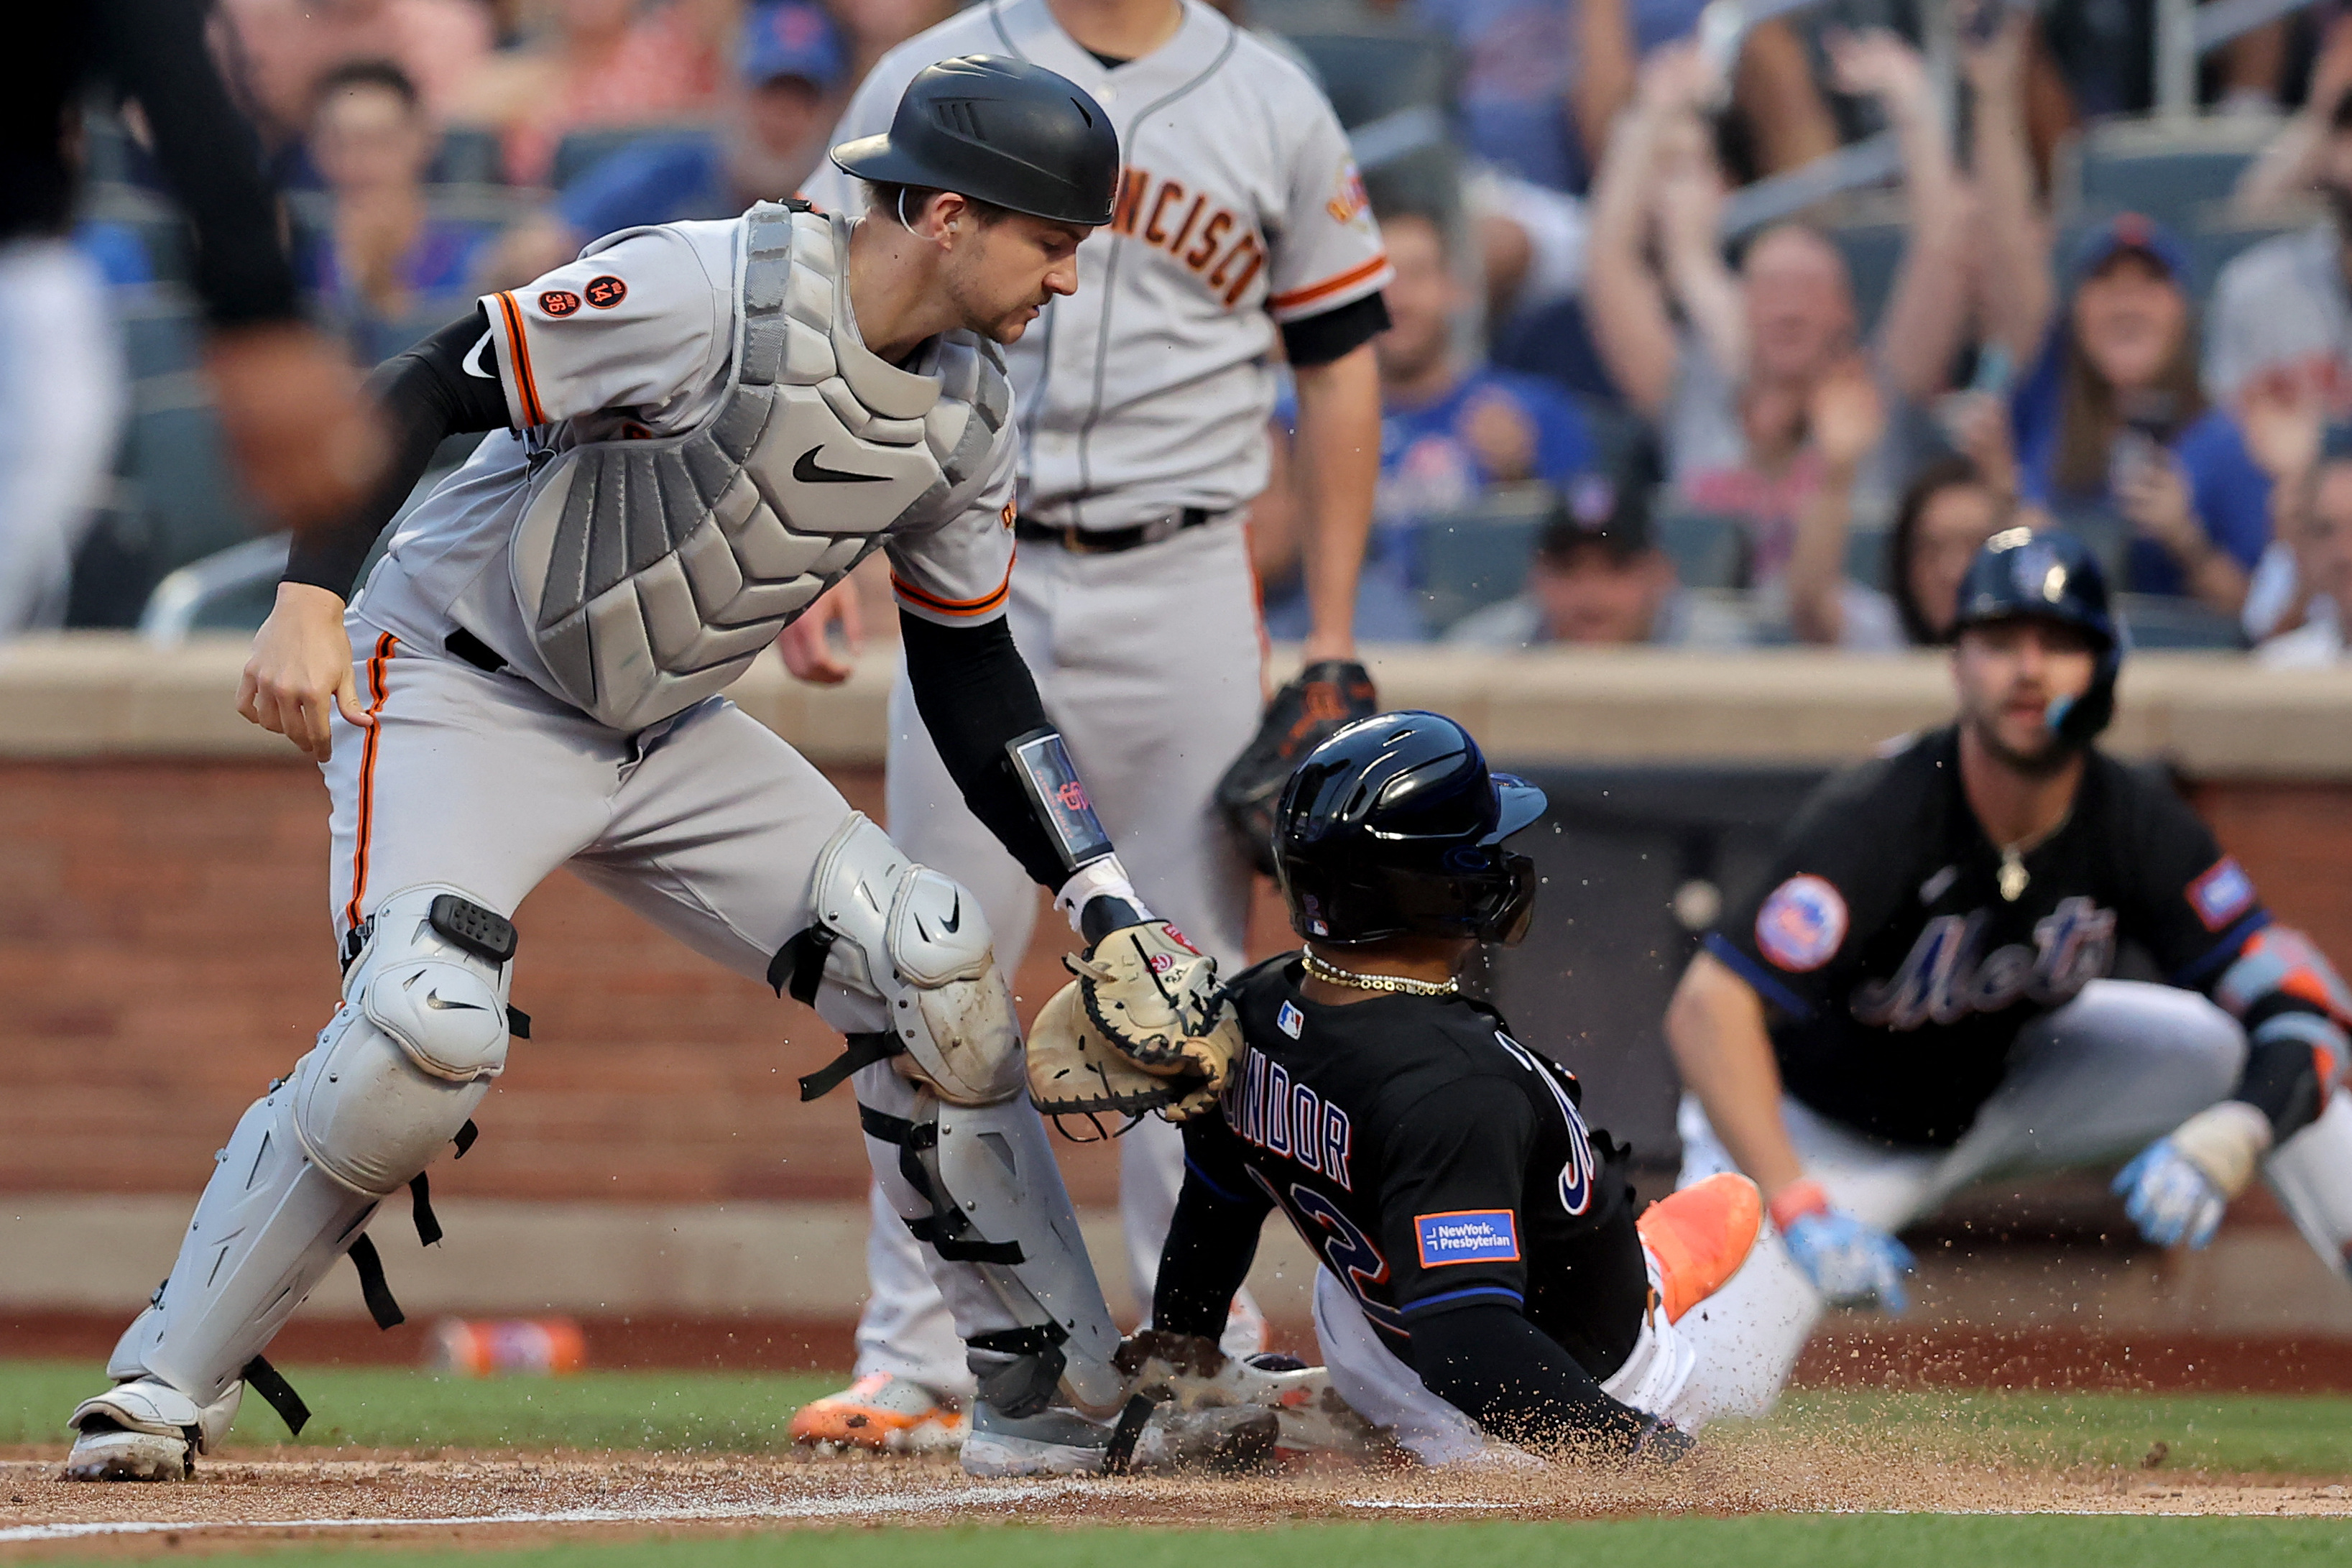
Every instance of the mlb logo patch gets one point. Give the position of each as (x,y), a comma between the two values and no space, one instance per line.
(2221,894)
(1802,925)
(1290,1020)
(1467,1236)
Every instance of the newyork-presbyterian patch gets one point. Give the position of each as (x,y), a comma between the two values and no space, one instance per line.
(1467,1236)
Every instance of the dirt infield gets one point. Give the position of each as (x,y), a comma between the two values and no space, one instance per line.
(480,1500)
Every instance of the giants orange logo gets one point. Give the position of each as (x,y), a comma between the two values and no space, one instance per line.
(1221,249)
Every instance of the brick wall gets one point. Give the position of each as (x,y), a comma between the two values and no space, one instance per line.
(165,953)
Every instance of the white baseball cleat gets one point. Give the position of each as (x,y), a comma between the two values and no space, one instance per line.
(1053,1442)
(145,1430)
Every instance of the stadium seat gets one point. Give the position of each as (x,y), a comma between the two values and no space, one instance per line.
(1370,76)
(1469,560)
(2163,621)
(2164,168)
(580,151)
(1709,551)
(470,155)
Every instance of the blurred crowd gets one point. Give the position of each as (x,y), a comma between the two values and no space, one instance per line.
(1707,331)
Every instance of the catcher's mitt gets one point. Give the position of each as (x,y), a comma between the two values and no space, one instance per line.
(1302,715)
(1074,1070)
(1147,990)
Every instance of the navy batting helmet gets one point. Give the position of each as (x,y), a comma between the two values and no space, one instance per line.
(1000,131)
(1394,827)
(2020,574)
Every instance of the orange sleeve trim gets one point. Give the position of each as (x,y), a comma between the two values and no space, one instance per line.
(1330,286)
(980,607)
(519,357)
(385,646)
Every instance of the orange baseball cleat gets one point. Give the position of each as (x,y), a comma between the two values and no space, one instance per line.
(1700,1236)
(885,1412)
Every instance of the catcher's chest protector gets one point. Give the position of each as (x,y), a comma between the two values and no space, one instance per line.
(652,572)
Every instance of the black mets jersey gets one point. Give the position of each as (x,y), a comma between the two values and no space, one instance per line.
(1899,956)
(1430,1161)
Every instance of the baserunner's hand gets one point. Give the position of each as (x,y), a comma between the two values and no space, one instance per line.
(300,670)
(806,644)
(1849,1262)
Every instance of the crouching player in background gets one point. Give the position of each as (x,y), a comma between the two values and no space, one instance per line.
(1483,1276)
(1918,996)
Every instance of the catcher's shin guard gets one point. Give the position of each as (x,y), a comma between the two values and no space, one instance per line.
(979,1186)
(2311,1174)
(395,1074)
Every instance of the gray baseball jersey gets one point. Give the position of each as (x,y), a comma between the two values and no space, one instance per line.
(1240,209)
(707,444)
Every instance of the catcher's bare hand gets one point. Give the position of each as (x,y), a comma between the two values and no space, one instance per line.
(301,670)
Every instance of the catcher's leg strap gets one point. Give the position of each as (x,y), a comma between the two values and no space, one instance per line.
(947,1228)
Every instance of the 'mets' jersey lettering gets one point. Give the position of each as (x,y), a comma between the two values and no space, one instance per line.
(1900,960)
(1432,1163)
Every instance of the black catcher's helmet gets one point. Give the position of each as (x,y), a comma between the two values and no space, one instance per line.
(1394,827)
(2050,577)
(1001,130)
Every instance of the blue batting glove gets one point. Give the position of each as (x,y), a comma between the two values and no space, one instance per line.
(2169,1196)
(1851,1264)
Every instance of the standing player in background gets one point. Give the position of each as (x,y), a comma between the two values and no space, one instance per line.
(1917,997)
(1143,404)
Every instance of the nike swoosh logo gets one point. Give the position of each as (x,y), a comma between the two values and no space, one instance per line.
(476,358)
(955,917)
(433,1000)
(809,471)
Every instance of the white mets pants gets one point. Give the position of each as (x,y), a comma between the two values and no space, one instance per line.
(2092,1083)
(707,824)
(1660,1377)
(1149,662)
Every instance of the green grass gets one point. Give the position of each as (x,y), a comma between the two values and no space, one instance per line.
(1803,1542)
(391,1407)
(385,1407)
(2305,1434)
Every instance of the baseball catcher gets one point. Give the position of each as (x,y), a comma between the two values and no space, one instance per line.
(1920,994)
(695,429)
(1484,1275)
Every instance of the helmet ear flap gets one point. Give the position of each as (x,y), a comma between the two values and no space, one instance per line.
(2078,721)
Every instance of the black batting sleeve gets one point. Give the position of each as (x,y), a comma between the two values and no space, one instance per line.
(976,697)
(1495,1367)
(1320,339)
(1213,1239)
(426,396)
(155,51)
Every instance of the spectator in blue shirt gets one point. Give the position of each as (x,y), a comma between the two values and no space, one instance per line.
(386,269)
(2111,416)
(788,61)
(1451,434)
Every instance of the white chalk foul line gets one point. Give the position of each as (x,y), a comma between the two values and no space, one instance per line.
(945,1500)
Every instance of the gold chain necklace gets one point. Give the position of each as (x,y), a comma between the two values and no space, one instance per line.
(2012,877)
(1332,974)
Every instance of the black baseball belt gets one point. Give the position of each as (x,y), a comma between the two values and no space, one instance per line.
(1111,540)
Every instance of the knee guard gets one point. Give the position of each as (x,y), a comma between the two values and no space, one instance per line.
(395,1074)
(914,941)
(411,1052)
